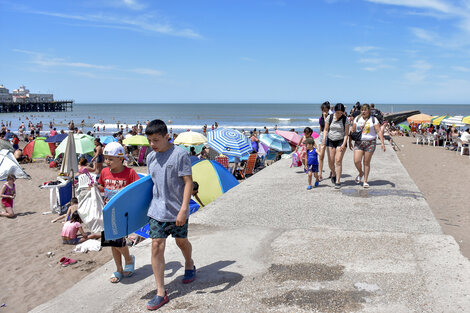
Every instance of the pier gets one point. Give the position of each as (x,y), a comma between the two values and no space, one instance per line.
(41,106)
(399,117)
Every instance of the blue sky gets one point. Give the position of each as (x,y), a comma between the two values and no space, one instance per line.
(382,51)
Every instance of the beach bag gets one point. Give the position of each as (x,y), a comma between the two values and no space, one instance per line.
(295,160)
(90,210)
(357,135)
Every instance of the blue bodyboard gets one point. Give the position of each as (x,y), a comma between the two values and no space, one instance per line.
(126,212)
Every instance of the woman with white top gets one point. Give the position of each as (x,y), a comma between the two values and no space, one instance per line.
(364,148)
(335,135)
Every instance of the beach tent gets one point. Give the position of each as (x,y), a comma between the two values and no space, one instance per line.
(83,144)
(455,121)
(229,142)
(5,144)
(213,179)
(190,138)
(275,142)
(9,165)
(438,120)
(70,162)
(37,149)
(419,118)
(137,140)
(466,120)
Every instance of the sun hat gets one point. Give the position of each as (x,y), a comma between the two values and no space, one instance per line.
(114,149)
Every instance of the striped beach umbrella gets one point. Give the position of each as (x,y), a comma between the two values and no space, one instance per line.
(438,120)
(190,138)
(213,179)
(419,118)
(454,121)
(466,120)
(229,142)
(275,142)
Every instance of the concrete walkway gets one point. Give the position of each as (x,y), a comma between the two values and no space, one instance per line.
(269,245)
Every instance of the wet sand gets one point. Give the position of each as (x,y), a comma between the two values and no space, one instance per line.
(443,177)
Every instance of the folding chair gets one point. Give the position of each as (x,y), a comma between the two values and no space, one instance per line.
(249,166)
(223,160)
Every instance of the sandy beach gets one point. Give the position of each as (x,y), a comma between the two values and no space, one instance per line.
(442,176)
(31,278)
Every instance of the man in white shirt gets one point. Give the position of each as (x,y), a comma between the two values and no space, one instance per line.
(465,137)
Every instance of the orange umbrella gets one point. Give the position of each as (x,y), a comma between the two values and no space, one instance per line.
(419,118)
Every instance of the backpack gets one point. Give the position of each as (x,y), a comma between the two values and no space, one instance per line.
(343,118)
(378,115)
(295,160)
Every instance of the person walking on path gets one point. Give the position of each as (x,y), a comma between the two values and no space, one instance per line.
(364,148)
(325,108)
(170,169)
(336,134)
(303,149)
(311,162)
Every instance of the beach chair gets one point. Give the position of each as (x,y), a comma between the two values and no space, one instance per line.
(249,167)
(222,160)
(132,160)
(64,195)
(142,155)
(419,139)
(462,146)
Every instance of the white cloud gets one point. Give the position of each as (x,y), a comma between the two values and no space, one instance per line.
(461,69)
(364,49)
(376,63)
(437,5)
(147,71)
(424,34)
(420,72)
(422,65)
(133,4)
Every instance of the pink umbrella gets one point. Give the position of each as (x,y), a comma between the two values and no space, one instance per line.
(289,136)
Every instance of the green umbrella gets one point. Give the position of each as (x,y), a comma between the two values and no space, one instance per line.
(136,140)
(83,144)
(404,126)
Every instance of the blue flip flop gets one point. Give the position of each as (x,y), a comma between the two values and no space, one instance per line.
(189,276)
(116,275)
(130,268)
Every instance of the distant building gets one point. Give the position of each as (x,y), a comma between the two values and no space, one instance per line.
(22,95)
(5,95)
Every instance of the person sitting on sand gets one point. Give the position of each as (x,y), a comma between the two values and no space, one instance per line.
(70,230)
(20,157)
(8,193)
(72,208)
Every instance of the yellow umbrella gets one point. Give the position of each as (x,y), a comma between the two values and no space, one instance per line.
(419,118)
(466,120)
(437,120)
(136,140)
(190,138)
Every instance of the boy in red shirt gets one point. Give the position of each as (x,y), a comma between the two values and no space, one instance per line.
(113,178)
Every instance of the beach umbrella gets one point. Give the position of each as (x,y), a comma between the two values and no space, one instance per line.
(466,120)
(292,137)
(404,126)
(107,139)
(9,165)
(198,148)
(56,138)
(37,149)
(437,120)
(419,118)
(137,140)
(70,162)
(454,121)
(229,142)
(213,179)
(262,148)
(190,138)
(275,142)
(5,144)
(83,144)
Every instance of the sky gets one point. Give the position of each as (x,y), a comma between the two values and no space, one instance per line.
(283,51)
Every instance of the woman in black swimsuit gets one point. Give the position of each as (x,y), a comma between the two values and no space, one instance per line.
(98,157)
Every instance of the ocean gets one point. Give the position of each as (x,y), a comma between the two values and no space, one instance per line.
(183,116)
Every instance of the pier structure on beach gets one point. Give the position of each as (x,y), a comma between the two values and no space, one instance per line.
(399,117)
(39,106)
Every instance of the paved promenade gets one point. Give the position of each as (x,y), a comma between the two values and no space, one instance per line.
(269,245)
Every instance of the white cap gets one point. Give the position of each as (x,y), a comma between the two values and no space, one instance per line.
(114,149)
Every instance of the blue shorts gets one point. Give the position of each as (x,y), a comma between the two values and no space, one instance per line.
(312,168)
(165,229)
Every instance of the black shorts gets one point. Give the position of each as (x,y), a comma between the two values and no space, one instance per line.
(334,143)
(118,243)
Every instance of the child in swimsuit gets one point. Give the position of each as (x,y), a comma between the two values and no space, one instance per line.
(70,230)
(8,193)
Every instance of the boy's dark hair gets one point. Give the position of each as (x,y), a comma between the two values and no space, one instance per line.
(11,176)
(156,127)
(309,141)
(340,107)
(195,186)
(74,200)
(308,130)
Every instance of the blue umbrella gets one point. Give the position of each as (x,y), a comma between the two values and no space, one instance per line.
(56,138)
(229,142)
(107,139)
(275,142)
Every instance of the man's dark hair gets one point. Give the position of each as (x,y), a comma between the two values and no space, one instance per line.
(156,127)
(372,106)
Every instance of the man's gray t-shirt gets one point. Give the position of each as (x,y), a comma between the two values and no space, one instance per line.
(336,131)
(167,170)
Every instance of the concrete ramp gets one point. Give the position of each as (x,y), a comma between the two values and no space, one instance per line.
(269,245)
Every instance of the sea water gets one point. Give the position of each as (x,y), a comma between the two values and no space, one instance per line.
(183,116)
